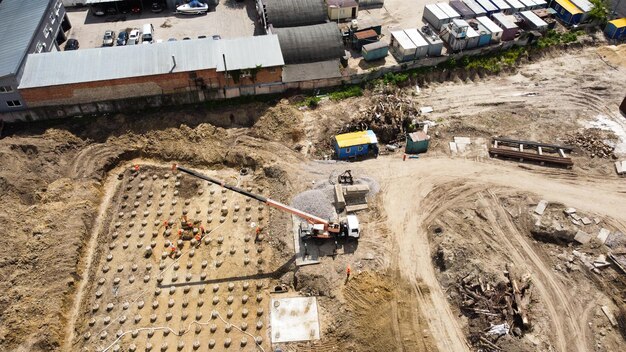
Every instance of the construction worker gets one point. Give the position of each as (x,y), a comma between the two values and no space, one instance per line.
(348,271)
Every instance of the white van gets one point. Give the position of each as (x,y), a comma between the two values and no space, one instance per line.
(148,30)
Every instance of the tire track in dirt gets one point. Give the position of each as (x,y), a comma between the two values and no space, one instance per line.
(568,332)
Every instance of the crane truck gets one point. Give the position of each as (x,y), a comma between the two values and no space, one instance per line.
(316,227)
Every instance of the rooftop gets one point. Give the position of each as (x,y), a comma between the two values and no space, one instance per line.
(569,7)
(356,138)
(342,3)
(23,17)
(289,13)
(99,64)
(619,22)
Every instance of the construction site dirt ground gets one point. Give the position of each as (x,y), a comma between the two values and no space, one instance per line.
(69,188)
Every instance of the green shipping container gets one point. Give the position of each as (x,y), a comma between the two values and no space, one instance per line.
(417,142)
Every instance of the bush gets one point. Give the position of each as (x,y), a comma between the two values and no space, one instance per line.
(348,92)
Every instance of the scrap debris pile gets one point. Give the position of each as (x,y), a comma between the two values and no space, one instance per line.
(591,143)
(390,113)
(495,310)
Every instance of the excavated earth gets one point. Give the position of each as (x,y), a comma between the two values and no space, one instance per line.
(69,188)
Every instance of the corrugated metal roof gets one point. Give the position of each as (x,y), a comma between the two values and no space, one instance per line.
(374,46)
(99,64)
(290,13)
(541,3)
(489,24)
(311,71)
(320,42)
(19,20)
(356,138)
(369,33)
(619,23)
(528,3)
(569,7)
(584,5)
(416,37)
(448,10)
(533,18)
(403,39)
(342,3)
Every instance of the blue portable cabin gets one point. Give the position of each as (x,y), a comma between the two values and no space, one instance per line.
(567,12)
(374,51)
(355,145)
(616,29)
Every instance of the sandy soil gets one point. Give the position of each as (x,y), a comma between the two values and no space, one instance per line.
(59,182)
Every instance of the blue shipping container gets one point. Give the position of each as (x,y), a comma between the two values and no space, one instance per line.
(375,51)
(616,29)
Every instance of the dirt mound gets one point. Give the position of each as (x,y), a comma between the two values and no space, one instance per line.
(281,122)
(615,54)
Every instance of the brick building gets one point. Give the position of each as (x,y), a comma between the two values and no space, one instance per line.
(26,27)
(206,69)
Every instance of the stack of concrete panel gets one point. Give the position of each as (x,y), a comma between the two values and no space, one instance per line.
(476,9)
(496,31)
(509,28)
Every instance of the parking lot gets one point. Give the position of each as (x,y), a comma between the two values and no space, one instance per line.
(230,19)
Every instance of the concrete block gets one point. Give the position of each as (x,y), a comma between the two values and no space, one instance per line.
(603,235)
(582,237)
(586,221)
(453,148)
(620,167)
(569,211)
(294,319)
(541,207)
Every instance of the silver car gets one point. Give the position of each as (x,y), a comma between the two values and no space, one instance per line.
(109,38)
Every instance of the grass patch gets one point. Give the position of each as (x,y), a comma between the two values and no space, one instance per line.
(345,92)
(553,37)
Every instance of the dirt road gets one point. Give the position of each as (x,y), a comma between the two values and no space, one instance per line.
(406,184)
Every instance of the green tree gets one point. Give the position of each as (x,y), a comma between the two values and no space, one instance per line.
(600,11)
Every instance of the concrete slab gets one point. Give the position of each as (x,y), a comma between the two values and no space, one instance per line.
(575,217)
(294,319)
(541,207)
(453,148)
(569,211)
(586,221)
(620,167)
(462,140)
(582,237)
(603,235)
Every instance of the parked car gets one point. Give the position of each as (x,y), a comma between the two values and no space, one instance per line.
(202,37)
(72,44)
(157,7)
(123,7)
(216,37)
(111,11)
(122,38)
(186,38)
(171,40)
(133,37)
(109,38)
(135,9)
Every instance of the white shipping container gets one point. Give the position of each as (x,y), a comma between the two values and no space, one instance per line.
(435,16)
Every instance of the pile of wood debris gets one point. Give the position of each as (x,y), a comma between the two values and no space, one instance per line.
(495,310)
(592,144)
(390,112)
